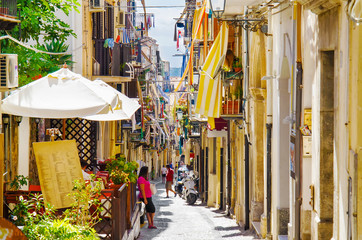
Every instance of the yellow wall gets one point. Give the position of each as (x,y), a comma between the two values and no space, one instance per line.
(238,174)
(356,112)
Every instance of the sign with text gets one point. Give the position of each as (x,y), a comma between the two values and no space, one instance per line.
(58,166)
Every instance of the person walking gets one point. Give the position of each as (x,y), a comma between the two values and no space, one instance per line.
(164,172)
(146,195)
(169,180)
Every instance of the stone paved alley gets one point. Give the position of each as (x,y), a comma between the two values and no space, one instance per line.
(178,221)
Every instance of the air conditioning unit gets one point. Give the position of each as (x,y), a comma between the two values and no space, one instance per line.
(119,18)
(96,5)
(9,71)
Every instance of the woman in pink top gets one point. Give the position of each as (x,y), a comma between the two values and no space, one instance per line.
(146,195)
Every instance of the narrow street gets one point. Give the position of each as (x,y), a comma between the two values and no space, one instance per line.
(177,221)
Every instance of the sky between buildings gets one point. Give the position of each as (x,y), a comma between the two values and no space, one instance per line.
(163,31)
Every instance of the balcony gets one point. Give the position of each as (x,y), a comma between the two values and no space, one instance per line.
(8,14)
(110,64)
(232,102)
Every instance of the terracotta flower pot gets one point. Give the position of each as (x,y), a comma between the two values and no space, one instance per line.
(231,107)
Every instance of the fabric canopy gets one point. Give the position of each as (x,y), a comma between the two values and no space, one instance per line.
(124,110)
(62,94)
(208,102)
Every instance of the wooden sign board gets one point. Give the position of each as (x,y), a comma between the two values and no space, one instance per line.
(58,166)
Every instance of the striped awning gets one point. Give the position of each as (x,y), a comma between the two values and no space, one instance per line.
(210,96)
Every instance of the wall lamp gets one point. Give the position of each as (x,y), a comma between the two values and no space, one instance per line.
(6,119)
(18,119)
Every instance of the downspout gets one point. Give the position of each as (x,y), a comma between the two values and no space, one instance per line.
(246,144)
(269,120)
(207,174)
(247,207)
(201,165)
(221,178)
(228,171)
(298,88)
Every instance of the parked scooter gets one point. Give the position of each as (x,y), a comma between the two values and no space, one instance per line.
(189,192)
(182,172)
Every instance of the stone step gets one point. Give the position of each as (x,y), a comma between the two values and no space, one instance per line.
(282,237)
(257,227)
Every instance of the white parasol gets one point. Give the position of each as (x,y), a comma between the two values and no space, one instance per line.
(63,94)
(125,108)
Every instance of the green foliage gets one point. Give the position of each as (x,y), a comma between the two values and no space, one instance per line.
(20,212)
(238,93)
(36,65)
(237,63)
(18,182)
(60,229)
(30,212)
(40,221)
(38,19)
(86,206)
(121,171)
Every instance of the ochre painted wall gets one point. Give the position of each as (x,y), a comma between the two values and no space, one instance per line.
(355,126)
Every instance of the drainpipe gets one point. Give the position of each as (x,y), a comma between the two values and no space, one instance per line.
(298,88)
(221,178)
(207,174)
(247,207)
(228,171)
(269,121)
(245,96)
(201,166)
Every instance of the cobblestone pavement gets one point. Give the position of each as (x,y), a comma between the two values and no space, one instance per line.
(176,220)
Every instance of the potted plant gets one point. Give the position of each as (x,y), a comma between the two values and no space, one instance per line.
(41,221)
(237,66)
(18,182)
(13,193)
(121,171)
(232,105)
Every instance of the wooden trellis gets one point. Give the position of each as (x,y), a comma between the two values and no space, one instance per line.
(83,131)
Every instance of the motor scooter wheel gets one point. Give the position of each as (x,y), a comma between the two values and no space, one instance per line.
(191,198)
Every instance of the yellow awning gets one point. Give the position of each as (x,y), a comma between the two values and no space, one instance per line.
(210,96)
(199,17)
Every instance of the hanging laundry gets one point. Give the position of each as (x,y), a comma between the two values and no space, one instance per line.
(179,34)
(118,38)
(125,38)
(149,22)
(109,43)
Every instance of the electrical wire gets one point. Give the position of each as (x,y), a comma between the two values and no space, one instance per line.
(37,50)
(160,6)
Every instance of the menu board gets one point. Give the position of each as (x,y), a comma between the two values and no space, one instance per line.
(58,166)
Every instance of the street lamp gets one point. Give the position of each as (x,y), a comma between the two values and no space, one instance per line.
(217,7)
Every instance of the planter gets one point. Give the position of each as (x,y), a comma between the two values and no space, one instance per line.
(231,107)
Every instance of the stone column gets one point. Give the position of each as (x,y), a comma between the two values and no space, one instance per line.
(258,110)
